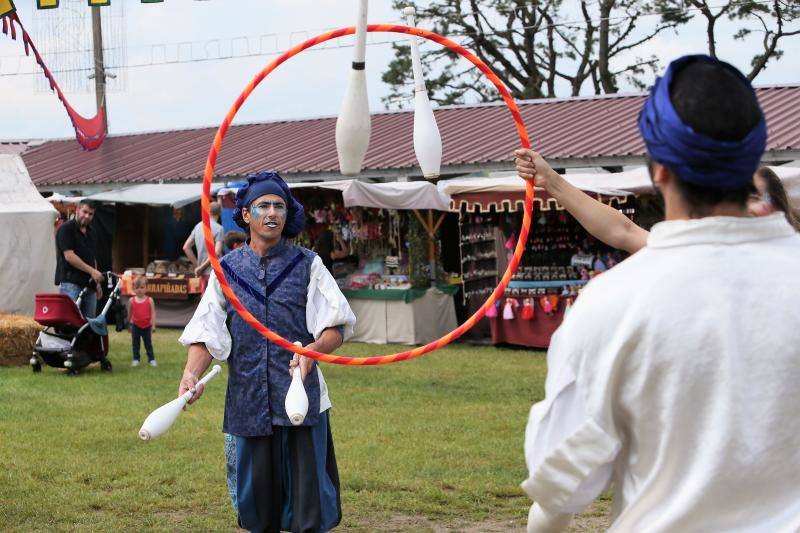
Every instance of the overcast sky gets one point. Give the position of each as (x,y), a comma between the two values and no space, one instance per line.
(175,96)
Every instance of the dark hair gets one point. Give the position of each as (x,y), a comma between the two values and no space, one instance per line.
(232,238)
(777,195)
(324,243)
(91,204)
(714,102)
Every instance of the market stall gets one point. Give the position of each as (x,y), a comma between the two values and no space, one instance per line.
(388,263)
(379,240)
(151,223)
(560,257)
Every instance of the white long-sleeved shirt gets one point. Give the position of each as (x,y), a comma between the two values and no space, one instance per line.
(675,376)
(326,307)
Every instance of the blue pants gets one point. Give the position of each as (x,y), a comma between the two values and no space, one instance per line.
(89,302)
(288,481)
(144,334)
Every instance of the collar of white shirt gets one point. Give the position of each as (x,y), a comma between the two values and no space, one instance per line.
(719,230)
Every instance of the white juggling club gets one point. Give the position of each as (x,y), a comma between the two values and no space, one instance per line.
(427,141)
(296,402)
(353,124)
(162,418)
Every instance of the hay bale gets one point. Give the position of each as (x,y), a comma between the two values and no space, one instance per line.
(17,337)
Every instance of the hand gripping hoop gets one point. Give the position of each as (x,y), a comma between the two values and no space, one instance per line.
(209,174)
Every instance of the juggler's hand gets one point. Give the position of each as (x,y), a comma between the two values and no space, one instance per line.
(189,382)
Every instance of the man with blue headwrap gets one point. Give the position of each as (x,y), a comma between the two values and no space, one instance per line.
(673,374)
(286,476)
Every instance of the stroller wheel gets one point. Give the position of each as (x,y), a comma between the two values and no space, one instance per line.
(105,365)
(37,367)
(72,372)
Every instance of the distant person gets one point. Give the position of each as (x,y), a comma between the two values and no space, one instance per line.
(768,196)
(323,247)
(76,262)
(672,376)
(330,247)
(196,240)
(176,230)
(234,239)
(142,311)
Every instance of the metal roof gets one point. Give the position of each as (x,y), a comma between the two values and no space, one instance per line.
(570,132)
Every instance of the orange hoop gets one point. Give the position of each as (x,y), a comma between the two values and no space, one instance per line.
(209,174)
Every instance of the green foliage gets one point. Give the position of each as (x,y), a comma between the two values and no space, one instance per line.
(418,265)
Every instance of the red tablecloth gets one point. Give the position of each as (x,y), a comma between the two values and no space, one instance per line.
(534,333)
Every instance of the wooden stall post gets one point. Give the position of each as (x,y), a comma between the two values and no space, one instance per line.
(146,239)
(431,230)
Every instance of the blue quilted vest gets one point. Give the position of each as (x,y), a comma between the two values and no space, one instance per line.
(274,289)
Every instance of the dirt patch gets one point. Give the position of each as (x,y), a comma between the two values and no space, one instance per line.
(595,519)
(586,523)
(397,523)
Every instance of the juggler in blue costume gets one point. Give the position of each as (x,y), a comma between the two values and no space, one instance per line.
(285,476)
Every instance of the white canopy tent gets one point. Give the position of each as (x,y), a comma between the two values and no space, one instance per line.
(397,195)
(172,194)
(393,195)
(57,197)
(635,181)
(28,261)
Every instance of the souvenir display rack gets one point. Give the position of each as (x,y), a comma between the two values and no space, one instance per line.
(560,257)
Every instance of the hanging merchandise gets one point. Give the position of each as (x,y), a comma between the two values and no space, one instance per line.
(567,306)
(527,312)
(492,311)
(508,310)
(549,303)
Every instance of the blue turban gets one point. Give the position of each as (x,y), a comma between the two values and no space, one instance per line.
(697,158)
(270,183)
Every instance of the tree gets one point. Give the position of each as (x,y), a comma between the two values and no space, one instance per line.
(533,46)
(773,19)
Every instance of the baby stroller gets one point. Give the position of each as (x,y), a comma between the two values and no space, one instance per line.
(69,340)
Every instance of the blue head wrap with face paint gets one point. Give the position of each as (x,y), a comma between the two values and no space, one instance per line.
(694,157)
(270,183)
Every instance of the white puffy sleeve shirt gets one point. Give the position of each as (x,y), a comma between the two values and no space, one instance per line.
(675,374)
(326,307)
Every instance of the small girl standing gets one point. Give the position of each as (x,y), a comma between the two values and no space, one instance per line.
(142,311)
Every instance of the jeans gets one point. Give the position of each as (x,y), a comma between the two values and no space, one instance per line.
(144,334)
(89,301)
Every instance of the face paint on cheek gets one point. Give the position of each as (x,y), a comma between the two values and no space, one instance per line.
(261,210)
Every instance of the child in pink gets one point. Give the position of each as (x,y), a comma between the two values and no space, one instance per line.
(142,311)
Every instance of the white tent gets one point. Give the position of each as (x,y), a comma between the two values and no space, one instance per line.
(396,195)
(27,238)
(393,195)
(609,184)
(635,181)
(174,194)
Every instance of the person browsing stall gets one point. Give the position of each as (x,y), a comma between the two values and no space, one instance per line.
(196,240)
(673,376)
(286,476)
(76,266)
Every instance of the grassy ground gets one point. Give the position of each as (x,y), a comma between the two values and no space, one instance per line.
(433,444)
